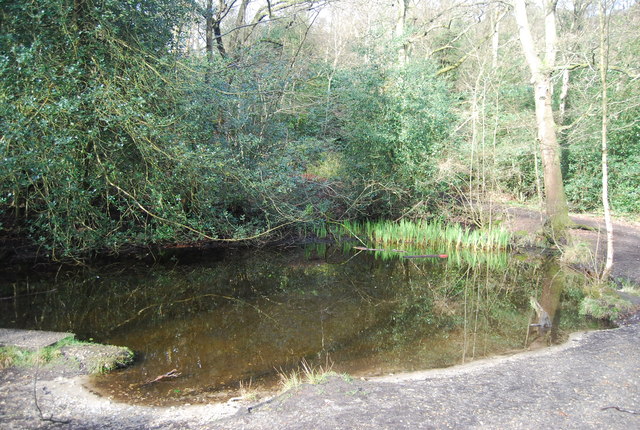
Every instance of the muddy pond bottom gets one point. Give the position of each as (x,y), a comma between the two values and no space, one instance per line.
(238,325)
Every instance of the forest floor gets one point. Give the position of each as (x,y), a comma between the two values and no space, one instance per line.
(590,382)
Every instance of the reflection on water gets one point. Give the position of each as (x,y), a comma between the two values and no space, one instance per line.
(238,319)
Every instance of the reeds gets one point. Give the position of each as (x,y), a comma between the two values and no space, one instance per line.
(432,234)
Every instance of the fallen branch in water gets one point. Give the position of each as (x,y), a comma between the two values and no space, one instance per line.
(28,294)
(143,310)
(172,374)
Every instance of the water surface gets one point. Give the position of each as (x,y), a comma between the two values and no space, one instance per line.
(240,319)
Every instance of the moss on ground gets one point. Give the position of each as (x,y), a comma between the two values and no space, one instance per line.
(607,305)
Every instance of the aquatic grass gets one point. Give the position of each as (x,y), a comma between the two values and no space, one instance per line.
(318,229)
(315,249)
(496,259)
(424,233)
(321,231)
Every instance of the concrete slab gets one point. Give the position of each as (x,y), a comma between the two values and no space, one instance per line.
(30,339)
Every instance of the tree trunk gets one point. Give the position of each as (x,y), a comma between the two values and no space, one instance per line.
(555,199)
(212,28)
(221,13)
(548,307)
(218,35)
(401,19)
(604,65)
(564,93)
(556,202)
(208,31)
(495,38)
(237,36)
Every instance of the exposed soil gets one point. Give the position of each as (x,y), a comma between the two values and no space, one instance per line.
(626,240)
(590,382)
(626,245)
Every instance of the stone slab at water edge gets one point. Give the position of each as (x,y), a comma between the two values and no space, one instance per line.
(30,339)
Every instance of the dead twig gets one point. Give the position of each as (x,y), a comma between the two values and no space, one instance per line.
(28,294)
(621,410)
(50,419)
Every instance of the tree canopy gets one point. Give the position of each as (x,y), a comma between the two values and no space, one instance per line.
(137,122)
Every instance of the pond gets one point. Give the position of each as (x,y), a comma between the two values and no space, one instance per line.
(235,319)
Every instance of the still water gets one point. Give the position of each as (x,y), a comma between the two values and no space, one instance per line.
(240,318)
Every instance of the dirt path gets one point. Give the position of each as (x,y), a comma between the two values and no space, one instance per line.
(590,382)
(626,238)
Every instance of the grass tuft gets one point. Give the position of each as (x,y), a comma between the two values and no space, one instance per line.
(609,306)
(578,253)
(304,374)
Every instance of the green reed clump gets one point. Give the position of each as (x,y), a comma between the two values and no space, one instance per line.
(434,234)
(495,259)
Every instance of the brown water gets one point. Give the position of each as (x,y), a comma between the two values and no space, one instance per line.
(241,319)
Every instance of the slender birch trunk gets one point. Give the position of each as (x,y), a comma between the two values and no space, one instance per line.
(604,65)
(495,38)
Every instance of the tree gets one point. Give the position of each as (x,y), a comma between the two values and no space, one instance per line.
(87,119)
(604,65)
(557,209)
(582,130)
(401,19)
(237,37)
(213,20)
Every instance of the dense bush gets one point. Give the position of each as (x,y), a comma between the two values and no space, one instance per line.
(111,137)
(584,157)
(87,120)
(394,123)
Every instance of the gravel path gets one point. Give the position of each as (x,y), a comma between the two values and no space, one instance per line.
(564,387)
